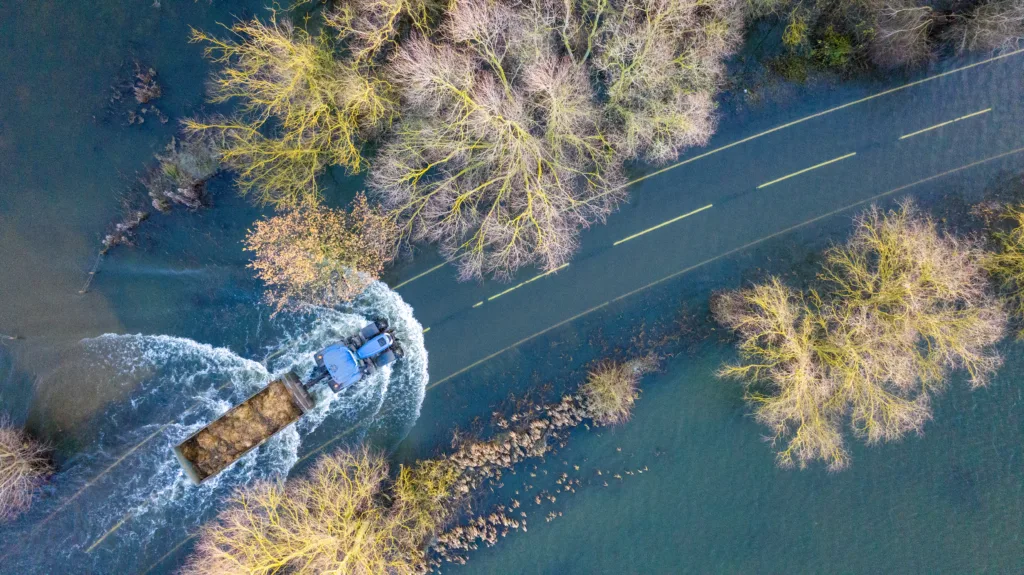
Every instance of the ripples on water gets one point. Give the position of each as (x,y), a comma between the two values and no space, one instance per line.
(179,391)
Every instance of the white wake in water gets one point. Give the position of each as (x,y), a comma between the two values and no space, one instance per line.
(182,385)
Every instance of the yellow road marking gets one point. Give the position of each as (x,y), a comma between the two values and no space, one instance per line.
(672,221)
(107,534)
(535,278)
(426,330)
(805,170)
(414,278)
(169,553)
(720,256)
(478,304)
(937,126)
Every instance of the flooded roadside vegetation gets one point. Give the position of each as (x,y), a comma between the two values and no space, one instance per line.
(898,307)
(707,286)
(352,514)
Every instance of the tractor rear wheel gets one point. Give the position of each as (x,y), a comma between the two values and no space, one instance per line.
(386,358)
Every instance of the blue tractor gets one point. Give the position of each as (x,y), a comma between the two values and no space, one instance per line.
(344,363)
(283,401)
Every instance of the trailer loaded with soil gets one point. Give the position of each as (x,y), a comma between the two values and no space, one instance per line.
(283,401)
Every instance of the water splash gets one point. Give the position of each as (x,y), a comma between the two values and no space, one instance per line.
(177,385)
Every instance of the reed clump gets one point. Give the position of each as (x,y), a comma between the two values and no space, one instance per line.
(24,467)
(181,173)
(612,388)
(1006,264)
(897,308)
(321,256)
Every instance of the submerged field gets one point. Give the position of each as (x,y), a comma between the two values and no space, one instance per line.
(709,498)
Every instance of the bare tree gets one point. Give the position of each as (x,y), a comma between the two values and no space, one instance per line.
(332,520)
(662,62)
(901,306)
(508,147)
(501,159)
(993,25)
(902,33)
(301,109)
(24,467)
(371,28)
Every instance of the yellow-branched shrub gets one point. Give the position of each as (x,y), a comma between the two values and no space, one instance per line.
(900,305)
(611,389)
(301,108)
(426,492)
(334,520)
(1006,265)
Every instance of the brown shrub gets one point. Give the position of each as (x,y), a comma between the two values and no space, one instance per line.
(612,388)
(321,256)
(24,467)
(992,25)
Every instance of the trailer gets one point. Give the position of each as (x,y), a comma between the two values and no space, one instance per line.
(243,428)
(283,401)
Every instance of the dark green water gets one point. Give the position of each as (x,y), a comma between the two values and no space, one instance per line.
(711,500)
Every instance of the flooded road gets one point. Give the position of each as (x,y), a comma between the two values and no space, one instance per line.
(114,377)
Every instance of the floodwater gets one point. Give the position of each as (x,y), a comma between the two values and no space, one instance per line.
(172,331)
